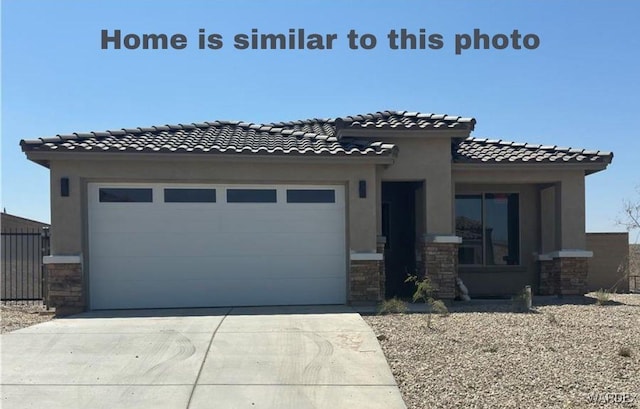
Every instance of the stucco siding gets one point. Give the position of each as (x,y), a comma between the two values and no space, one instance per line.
(609,266)
(428,160)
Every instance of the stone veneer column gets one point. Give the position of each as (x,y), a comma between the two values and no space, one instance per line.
(366,276)
(64,284)
(564,272)
(440,263)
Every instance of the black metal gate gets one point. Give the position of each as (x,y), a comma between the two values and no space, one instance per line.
(22,268)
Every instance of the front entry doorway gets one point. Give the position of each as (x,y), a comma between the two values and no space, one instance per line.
(400,202)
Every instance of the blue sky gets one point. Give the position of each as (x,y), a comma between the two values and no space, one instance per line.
(579,88)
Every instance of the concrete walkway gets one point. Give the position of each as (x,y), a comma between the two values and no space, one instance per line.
(284,357)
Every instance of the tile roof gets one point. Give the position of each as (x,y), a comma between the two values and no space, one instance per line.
(215,137)
(479,150)
(309,137)
(392,120)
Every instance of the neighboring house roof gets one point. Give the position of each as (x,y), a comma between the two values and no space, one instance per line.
(468,228)
(477,150)
(310,137)
(12,222)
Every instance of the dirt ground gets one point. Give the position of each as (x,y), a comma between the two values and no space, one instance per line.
(14,316)
(561,355)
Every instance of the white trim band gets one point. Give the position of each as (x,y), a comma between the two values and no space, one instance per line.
(366,256)
(61,260)
(565,254)
(571,253)
(430,238)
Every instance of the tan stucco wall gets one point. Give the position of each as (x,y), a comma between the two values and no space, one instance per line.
(504,280)
(609,266)
(427,159)
(548,229)
(570,207)
(69,213)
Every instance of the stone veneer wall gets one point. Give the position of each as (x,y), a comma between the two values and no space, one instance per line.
(64,288)
(366,281)
(563,276)
(440,264)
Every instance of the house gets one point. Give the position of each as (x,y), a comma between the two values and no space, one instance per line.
(318,211)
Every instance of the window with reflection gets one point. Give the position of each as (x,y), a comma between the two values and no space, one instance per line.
(489,225)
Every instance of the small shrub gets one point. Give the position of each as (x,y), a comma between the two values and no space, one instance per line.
(424,292)
(603,297)
(625,352)
(392,306)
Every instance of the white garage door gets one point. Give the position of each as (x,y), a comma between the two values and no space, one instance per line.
(159,245)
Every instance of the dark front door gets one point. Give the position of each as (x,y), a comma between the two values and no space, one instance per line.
(399,227)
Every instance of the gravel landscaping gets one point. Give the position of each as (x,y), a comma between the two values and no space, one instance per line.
(15,316)
(485,355)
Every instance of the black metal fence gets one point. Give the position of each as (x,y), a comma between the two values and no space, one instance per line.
(22,269)
(634,284)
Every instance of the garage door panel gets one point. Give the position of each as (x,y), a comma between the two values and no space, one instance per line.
(119,269)
(154,221)
(131,220)
(145,244)
(152,255)
(152,244)
(283,244)
(195,293)
(202,221)
(238,220)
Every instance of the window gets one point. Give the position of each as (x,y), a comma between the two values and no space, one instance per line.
(251,196)
(489,225)
(190,195)
(311,196)
(129,195)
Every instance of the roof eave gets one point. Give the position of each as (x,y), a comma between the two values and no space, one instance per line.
(45,157)
(37,158)
(588,168)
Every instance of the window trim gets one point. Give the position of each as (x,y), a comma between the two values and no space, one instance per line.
(325,190)
(165,188)
(267,189)
(484,265)
(122,188)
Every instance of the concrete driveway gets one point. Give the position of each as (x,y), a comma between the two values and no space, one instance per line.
(284,357)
